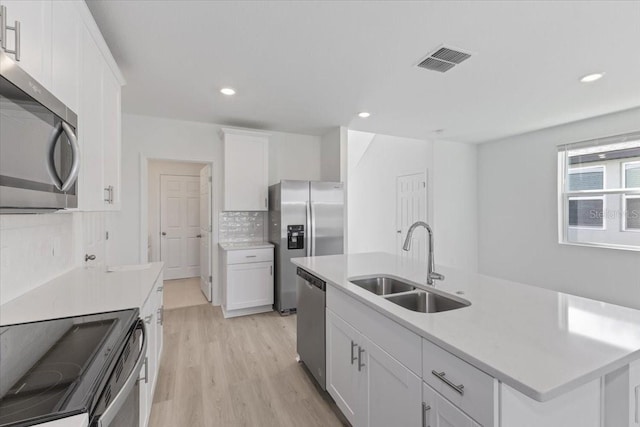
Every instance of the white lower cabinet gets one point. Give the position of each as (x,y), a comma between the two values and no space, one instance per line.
(247,281)
(151,313)
(392,391)
(342,374)
(369,386)
(439,412)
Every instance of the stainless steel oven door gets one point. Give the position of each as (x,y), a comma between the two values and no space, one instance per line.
(119,404)
(39,153)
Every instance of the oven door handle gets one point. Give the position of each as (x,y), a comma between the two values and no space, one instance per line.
(75,152)
(112,410)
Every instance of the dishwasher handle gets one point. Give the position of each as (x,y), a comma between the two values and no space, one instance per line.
(311,279)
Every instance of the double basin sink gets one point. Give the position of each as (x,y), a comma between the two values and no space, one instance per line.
(408,296)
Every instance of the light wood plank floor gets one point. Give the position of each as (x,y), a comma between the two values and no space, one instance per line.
(234,372)
(183,293)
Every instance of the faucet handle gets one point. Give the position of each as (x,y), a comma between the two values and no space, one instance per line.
(436,276)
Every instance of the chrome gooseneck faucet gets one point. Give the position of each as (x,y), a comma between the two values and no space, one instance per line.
(431,275)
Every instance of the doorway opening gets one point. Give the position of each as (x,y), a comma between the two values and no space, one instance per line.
(180,229)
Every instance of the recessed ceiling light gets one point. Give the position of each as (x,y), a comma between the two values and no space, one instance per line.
(227,91)
(591,77)
(364,114)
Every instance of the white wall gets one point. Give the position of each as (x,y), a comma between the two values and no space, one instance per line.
(374,161)
(372,186)
(155,169)
(455,204)
(35,249)
(291,156)
(517,216)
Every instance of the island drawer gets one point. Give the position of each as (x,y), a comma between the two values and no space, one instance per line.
(402,344)
(464,385)
(249,255)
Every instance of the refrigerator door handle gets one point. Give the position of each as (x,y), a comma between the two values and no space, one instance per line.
(308,233)
(313,229)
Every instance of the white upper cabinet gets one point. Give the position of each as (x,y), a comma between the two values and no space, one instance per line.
(62,48)
(65,59)
(111,135)
(246,170)
(35,36)
(90,137)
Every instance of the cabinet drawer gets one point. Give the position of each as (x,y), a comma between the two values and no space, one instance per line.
(249,255)
(465,386)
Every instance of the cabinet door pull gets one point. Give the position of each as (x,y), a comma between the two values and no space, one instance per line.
(459,388)
(425,418)
(637,404)
(146,371)
(3,34)
(360,363)
(353,346)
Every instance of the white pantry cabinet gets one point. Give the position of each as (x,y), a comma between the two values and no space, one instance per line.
(246,170)
(247,281)
(152,314)
(35,36)
(369,386)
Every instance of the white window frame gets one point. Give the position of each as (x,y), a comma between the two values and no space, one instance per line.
(564,195)
(625,197)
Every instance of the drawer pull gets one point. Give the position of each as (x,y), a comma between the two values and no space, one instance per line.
(250,256)
(441,376)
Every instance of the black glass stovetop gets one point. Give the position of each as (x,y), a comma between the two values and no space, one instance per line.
(52,369)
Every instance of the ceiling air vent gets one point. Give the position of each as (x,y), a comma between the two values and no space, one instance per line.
(443,59)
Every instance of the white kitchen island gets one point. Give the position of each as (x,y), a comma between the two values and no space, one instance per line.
(517,356)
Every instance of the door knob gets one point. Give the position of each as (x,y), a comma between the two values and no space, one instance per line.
(88,257)
(163,233)
(199,236)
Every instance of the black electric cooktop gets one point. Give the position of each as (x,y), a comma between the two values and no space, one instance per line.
(53,368)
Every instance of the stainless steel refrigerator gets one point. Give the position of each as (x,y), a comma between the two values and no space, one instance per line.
(306,218)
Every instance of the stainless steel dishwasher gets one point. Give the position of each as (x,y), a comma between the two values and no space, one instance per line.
(311,324)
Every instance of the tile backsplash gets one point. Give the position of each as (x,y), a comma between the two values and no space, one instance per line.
(35,249)
(235,227)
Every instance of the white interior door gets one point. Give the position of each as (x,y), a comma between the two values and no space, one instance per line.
(205,231)
(411,206)
(180,225)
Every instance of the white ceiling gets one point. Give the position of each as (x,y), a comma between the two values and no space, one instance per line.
(308,66)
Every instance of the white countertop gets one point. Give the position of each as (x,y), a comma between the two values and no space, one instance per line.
(540,342)
(237,246)
(83,291)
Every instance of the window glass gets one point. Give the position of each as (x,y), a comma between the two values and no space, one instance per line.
(632,175)
(586,213)
(633,213)
(588,180)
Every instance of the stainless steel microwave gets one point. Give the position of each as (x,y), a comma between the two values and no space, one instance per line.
(39,154)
